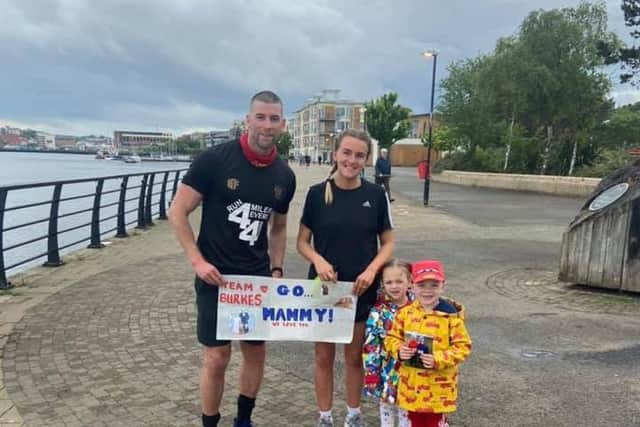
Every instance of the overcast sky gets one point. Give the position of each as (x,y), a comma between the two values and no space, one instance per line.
(79,67)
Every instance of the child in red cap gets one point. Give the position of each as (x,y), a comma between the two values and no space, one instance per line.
(430,339)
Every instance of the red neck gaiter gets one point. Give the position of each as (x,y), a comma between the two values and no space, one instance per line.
(257,160)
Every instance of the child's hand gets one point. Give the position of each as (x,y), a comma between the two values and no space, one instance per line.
(427,361)
(406,352)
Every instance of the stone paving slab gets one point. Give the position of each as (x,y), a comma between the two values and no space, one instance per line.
(109,338)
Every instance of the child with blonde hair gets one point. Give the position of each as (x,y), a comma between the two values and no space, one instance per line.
(380,375)
(430,339)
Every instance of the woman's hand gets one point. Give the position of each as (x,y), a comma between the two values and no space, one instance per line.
(363,281)
(325,270)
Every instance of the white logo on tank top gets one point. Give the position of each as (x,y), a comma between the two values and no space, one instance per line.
(366,204)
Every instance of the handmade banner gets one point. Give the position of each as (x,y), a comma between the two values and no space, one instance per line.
(263,308)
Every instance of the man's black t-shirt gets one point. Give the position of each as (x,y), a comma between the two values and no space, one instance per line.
(238,200)
(346,232)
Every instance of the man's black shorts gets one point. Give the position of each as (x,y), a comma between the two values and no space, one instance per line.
(207,321)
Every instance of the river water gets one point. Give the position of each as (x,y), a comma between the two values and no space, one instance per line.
(26,168)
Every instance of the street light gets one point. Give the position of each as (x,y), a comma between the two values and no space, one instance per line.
(427,178)
(363,118)
(363,125)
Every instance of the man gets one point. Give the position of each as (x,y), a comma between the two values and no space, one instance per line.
(243,188)
(383,171)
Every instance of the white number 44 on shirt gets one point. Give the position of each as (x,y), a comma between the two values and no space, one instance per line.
(250,230)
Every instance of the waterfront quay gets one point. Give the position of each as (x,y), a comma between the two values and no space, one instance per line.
(108,339)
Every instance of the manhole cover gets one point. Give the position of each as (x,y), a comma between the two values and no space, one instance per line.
(543,286)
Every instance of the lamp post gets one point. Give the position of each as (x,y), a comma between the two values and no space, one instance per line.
(427,178)
(363,125)
(363,118)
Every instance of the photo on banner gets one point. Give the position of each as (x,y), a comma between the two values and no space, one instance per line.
(264,308)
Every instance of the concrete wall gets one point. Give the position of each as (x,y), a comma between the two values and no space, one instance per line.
(557,185)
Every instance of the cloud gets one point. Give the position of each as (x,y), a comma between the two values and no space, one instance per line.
(625,95)
(192,63)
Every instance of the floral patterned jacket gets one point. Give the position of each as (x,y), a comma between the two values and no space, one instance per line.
(380,370)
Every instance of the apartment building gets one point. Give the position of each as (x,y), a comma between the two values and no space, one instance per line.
(126,139)
(316,125)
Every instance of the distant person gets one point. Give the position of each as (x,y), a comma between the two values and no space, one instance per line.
(245,189)
(307,160)
(431,340)
(383,171)
(319,160)
(350,224)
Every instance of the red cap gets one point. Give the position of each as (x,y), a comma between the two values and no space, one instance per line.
(427,269)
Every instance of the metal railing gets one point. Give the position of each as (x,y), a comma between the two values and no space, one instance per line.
(147,199)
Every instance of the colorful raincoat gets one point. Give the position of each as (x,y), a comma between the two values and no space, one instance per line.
(430,390)
(380,374)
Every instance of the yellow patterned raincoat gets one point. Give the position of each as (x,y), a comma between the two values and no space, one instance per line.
(430,390)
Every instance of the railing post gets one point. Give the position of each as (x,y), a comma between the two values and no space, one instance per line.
(53,253)
(163,198)
(122,222)
(175,186)
(147,209)
(143,187)
(4,283)
(95,218)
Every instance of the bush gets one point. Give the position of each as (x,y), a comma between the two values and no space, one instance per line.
(482,160)
(607,162)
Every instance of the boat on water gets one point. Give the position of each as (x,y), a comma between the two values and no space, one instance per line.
(101,155)
(133,159)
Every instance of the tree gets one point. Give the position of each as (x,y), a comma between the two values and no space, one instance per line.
(387,121)
(284,144)
(563,48)
(536,98)
(186,145)
(614,51)
(620,131)
(28,133)
(630,56)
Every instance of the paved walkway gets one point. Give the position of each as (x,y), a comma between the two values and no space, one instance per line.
(108,339)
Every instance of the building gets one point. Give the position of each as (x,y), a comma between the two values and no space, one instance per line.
(95,144)
(420,125)
(315,126)
(410,151)
(211,138)
(11,140)
(237,128)
(46,140)
(132,139)
(65,142)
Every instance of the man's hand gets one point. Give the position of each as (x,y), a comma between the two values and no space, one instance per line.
(427,360)
(363,281)
(208,273)
(406,352)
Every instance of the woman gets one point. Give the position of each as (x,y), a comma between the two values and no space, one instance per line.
(346,216)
